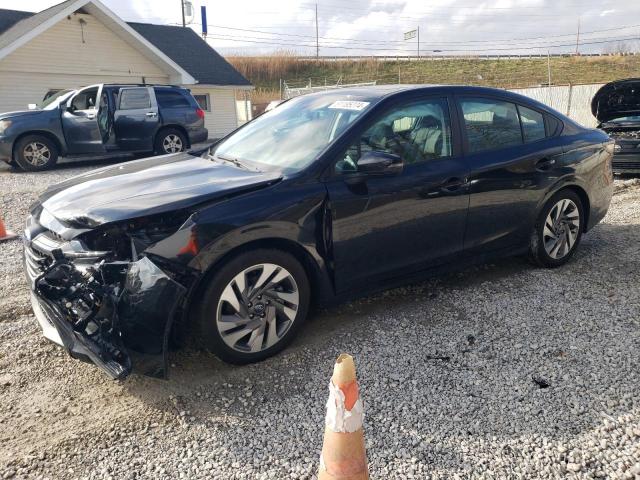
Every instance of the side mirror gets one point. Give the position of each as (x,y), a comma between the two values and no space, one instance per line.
(380,163)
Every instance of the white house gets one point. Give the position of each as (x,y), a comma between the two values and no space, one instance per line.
(82,42)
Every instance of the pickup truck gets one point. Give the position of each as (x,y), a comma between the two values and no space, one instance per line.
(101,120)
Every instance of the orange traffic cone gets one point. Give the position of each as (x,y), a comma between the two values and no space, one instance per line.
(343,454)
(4,233)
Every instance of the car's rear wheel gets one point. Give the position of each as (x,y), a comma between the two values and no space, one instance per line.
(253,306)
(558,230)
(170,140)
(34,153)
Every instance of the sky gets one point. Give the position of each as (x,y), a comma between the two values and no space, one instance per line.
(376,27)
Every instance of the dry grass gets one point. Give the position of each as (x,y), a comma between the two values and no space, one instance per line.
(266,72)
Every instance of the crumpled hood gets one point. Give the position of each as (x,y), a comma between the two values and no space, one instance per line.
(617,99)
(146,187)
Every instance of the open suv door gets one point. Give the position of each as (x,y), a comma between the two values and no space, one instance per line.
(136,119)
(82,130)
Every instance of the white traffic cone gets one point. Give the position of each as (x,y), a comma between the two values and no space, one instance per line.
(343,453)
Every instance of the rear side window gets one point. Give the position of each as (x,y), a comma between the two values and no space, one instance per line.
(171,99)
(134,98)
(532,124)
(490,124)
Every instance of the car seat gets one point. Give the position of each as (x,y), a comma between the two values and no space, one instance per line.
(427,137)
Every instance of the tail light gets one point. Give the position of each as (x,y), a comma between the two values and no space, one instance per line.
(200,113)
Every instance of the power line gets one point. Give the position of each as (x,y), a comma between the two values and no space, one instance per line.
(457,6)
(400,42)
(488,49)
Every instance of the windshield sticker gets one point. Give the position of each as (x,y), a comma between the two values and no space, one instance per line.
(349,105)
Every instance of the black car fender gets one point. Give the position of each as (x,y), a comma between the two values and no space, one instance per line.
(292,218)
(291,237)
(569,181)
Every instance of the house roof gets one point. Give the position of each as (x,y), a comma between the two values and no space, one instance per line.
(180,45)
(191,52)
(8,18)
(28,22)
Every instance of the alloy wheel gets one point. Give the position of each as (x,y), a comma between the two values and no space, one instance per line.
(257,308)
(37,154)
(561,229)
(172,143)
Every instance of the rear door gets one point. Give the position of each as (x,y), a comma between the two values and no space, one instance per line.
(136,118)
(513,160)
(80,124)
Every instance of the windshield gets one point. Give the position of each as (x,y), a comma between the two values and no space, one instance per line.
(291,136)
(53,101)
(632,118)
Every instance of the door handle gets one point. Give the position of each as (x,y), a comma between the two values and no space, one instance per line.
(545,164)
(453,184)
(152,114)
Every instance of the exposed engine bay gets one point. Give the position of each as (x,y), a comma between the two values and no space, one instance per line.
(105,296)
(627,134)
(88,300)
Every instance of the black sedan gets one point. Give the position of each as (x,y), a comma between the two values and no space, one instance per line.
(325,197)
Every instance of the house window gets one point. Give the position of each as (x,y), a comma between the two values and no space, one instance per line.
(203,101)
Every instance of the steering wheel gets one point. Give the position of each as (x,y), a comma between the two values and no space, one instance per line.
(393,140)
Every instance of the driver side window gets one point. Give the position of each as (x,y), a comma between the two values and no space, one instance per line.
(416,132)
(85,100)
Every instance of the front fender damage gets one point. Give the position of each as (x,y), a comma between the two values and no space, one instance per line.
(117,315)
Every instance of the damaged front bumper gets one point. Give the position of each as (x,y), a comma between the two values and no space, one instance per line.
(115,314)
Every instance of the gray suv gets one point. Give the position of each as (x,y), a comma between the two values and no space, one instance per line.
(99,120)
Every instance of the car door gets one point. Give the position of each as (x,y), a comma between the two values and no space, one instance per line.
(80,124)
(136,119)
(386,225)
(513,159)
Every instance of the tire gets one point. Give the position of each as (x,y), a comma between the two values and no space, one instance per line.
(34,153)
(555,240)
(261,325)
(170,140)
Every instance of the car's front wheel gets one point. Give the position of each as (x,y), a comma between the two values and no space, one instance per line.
(170,140)
(253,306)
(558,230)
(34,153)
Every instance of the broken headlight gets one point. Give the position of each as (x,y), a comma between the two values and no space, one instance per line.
(129,238)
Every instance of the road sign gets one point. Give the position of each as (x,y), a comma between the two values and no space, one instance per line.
(411,34)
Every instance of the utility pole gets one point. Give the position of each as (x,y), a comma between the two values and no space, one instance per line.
(317,38)
(184,21)
(418,42)
(578,39)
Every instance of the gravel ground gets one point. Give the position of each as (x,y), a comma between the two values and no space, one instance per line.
(502,371)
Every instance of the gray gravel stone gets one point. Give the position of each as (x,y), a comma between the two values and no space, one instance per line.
(445,366)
